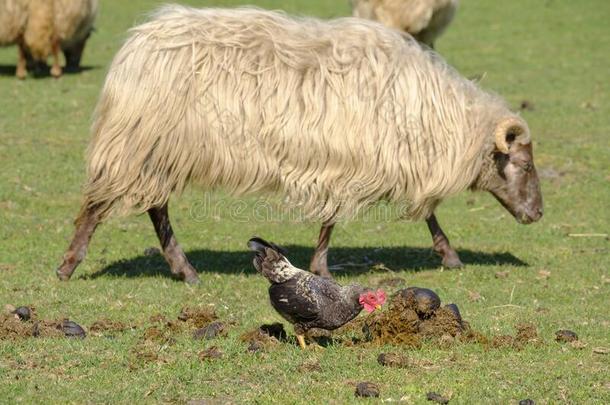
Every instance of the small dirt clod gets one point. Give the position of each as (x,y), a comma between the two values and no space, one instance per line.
(152,251)
(396,360)
(422,300)
(264,337)
(310,365)
(106,325)
(255,346)
(275,330)
(527,402)
(198,317)
(565,336)
(211,353)
(367,390)
(24,313)
(526,333)
(72,329)
(526,105)
(438,398)
(210,331)
(502,274)
(391,282)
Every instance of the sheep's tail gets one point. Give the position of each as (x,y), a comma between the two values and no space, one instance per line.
(40,28)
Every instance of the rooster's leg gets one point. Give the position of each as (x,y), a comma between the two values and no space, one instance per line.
(319,260)
(301,340)
(441,244)
(174,255)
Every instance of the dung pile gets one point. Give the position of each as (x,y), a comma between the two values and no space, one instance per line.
(414,313)
(198,317)
(163,332)
(526,333)
(264,337)
(22,322)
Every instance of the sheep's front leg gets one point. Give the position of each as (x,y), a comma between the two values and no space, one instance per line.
(56,68)
(174,255)
(441,244)
(21,72)
(319,260)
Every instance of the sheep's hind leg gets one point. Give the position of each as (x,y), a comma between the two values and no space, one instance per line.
(56,67)
(86,223)
(73,55)
(319,260)
(450,257)
(174,255)
(21,71)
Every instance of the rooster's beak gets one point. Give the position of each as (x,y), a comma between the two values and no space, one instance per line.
(377,306)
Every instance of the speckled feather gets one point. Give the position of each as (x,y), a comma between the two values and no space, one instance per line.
(305,299)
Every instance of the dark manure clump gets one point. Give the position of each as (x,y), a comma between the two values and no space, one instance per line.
(264,337)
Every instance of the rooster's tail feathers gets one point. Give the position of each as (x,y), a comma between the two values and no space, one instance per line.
(259,245)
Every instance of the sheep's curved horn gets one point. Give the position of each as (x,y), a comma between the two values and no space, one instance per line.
(510,130)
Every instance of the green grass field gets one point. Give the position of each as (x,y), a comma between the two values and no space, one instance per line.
(552,54)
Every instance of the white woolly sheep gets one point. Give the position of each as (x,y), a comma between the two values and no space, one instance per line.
(425,20)
(42,27)
(335,115)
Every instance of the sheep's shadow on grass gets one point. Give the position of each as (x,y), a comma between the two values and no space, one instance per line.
(344,261)
(9,70)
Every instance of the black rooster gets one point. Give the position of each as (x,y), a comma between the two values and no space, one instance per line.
(305,299)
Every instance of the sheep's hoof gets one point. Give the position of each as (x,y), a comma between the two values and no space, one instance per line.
(61,275)
(21,74)
(56,71)
(452,261)
(192,279)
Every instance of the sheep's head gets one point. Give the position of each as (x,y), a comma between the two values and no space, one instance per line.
(509,173)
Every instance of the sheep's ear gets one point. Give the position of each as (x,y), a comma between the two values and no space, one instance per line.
(509,131)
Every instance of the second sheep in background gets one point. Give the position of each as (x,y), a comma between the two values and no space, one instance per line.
(425,20)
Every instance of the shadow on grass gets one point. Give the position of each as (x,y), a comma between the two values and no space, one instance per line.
(353,261)
(9,70)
